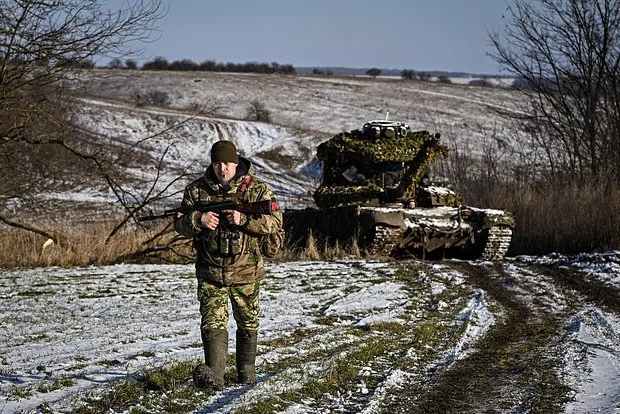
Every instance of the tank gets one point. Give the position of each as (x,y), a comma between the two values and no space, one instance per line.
(376,191)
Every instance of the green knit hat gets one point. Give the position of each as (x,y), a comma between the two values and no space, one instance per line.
(224,151)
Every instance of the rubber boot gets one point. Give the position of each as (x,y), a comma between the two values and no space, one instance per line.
(246,356)
(215,344)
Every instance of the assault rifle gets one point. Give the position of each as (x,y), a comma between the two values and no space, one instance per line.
(257,207)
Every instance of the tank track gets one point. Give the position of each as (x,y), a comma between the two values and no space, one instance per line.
(386,238)
(495,248)
(497,244)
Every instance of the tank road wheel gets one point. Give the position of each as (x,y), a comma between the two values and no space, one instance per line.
(386,238)
(498,241)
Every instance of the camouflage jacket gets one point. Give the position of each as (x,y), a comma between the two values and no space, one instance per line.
(243,263)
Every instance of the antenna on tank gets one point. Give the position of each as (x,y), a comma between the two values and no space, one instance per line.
(387,115)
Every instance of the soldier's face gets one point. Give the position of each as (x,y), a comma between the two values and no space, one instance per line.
(225,171)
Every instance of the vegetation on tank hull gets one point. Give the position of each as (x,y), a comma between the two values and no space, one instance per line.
(355,146)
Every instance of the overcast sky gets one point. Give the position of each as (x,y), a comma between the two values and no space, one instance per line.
(423,35)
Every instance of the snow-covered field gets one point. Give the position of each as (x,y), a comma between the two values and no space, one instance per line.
(304,111)
(67,334)
(91,326)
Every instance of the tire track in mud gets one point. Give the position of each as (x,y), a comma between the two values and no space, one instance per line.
(514,366)
(602,295)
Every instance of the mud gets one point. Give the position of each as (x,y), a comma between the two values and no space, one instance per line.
(516,366)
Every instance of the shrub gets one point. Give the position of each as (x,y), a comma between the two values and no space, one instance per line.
(159,63)
(407,74)
(424,76)
(553,214)
(374,72)
(131,64)
(258,112)
(115,63)
(156,98)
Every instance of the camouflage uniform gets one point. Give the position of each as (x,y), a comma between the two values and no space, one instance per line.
(232,272)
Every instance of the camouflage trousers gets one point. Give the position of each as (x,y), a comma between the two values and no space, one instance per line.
(214,305)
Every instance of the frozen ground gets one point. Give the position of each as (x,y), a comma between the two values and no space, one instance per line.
(540,323)
(96,325)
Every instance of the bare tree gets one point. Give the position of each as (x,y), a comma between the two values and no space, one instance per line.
(567,54)
(407,74)
(42,42)
(115,63)
(131,64)
(374,72)
(44,46)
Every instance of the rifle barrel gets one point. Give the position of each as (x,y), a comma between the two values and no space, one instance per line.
(261,207)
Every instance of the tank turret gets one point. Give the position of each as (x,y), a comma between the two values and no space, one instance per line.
(380,164)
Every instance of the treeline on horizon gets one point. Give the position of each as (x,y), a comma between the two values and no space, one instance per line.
(161,63)
(188,65)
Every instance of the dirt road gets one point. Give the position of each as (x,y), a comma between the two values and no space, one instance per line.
(538,348)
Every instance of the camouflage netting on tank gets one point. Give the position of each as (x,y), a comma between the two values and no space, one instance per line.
(340,195)
(371,159)
(437,195)
(353,146)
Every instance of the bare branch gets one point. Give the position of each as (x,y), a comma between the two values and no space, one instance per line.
(56,238)
(566,55)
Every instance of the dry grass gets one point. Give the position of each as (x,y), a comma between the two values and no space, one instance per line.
(85,245)
(559,216)
(553,214)
(312,251)
(564,218)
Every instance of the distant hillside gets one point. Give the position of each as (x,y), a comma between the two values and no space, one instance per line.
(303,112)
(337,70)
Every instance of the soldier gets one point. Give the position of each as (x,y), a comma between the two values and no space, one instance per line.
(229,264)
